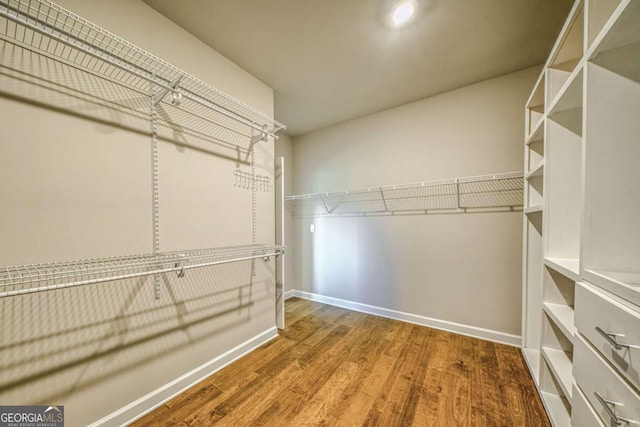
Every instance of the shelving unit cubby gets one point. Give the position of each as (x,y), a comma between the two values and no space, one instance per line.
(559,300)
(619,33)
(581,222)
(555,402)
(566,54)
(535,108)
(598,13)
(564,171)
(557,351)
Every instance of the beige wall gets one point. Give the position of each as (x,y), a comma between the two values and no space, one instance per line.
(76,188)
(462,268)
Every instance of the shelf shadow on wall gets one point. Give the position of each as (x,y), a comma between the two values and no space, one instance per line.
(59,342)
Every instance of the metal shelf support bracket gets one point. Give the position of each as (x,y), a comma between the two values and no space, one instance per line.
(176,97)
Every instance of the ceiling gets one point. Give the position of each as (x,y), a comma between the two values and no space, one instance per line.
(329,61)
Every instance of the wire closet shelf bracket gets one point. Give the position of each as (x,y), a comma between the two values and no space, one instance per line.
(459,195)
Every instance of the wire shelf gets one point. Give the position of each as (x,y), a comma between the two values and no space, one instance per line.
(28,279)
(499,191)
(40,27)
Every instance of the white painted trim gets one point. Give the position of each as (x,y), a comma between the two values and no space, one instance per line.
(471,331)
(290,294)
(147,403)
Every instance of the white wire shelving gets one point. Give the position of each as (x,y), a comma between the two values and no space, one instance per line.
(487,192)
(28,279)
(71,53)
(54,57)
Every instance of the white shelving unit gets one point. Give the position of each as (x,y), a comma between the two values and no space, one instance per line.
(42,43)
(459,195)
(581,222)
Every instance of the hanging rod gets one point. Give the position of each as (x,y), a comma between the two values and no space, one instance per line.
(32,278)
(504,190)
(62,35)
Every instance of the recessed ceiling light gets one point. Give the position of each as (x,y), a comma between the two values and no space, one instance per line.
(402,12)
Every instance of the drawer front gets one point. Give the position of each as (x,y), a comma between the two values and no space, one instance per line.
(593,375)
(594,309)
(582,413)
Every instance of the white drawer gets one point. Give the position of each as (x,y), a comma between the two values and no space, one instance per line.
(594,375)
(582,413)
(594,309)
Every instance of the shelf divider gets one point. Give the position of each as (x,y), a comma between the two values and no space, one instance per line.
(536,134)
(563,317)
(556,409)
(537,171)
(568,267)
(533,209)
(569,96)
(561,367)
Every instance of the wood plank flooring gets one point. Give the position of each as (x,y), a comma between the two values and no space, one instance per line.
(333,366)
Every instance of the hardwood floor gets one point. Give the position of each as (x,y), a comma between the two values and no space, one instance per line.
(333,366)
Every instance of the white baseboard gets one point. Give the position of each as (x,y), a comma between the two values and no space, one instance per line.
(471,331)
(137,409)
(290,294)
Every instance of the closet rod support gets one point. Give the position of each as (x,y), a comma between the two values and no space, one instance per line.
(176,97)
(325,205)
(386,208)
(260,136)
